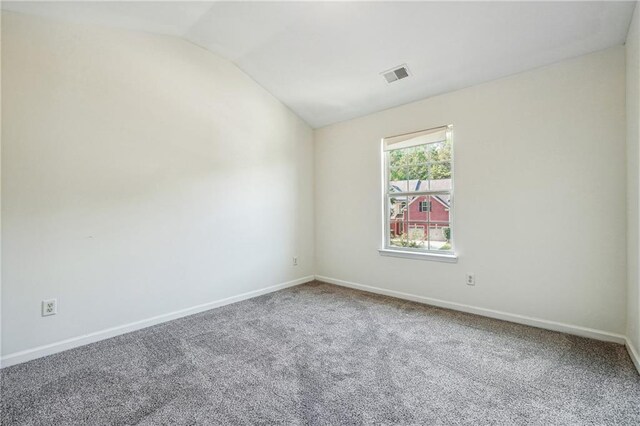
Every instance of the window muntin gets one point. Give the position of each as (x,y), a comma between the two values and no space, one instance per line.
(419,191)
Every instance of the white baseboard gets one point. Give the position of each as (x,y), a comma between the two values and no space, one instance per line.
(41,351)
(505,316)
(634,354)
(74,342)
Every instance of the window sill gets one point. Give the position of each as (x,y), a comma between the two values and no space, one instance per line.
(449,258)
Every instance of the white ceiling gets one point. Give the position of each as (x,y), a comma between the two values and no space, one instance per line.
(323,59)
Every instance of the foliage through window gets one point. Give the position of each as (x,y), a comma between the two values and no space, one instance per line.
(419,191)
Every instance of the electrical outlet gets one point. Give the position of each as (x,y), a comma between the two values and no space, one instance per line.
(295,261)
(49,307)
(471,279)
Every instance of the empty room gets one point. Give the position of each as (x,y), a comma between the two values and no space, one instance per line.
(320,213)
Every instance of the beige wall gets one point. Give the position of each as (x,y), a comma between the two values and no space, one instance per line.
(633,187)
(539,202)
(141,175)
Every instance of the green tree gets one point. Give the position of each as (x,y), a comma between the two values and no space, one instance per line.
(421,162)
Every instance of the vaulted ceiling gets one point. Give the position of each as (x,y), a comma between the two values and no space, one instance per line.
(324,59)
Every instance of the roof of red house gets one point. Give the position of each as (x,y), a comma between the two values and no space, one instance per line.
(424,185)
(421,185)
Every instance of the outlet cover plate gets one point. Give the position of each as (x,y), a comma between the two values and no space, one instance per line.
(471,279)
(49,307)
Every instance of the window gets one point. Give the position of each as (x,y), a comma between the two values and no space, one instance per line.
(418,193)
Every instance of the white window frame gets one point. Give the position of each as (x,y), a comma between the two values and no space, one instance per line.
(407,252)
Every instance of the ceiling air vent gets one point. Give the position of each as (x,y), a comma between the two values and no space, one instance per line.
(395,74)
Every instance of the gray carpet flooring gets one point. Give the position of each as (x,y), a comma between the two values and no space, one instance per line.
(320,354)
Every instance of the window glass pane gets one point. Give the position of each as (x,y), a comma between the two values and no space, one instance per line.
(437,152)
(439,236)
(408,169)
(417,213)
(397,185)
(417,235)
(438,171)
(439,167)
(397,221)
(440,207)
(416,164)
(439,175)
(396,161)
